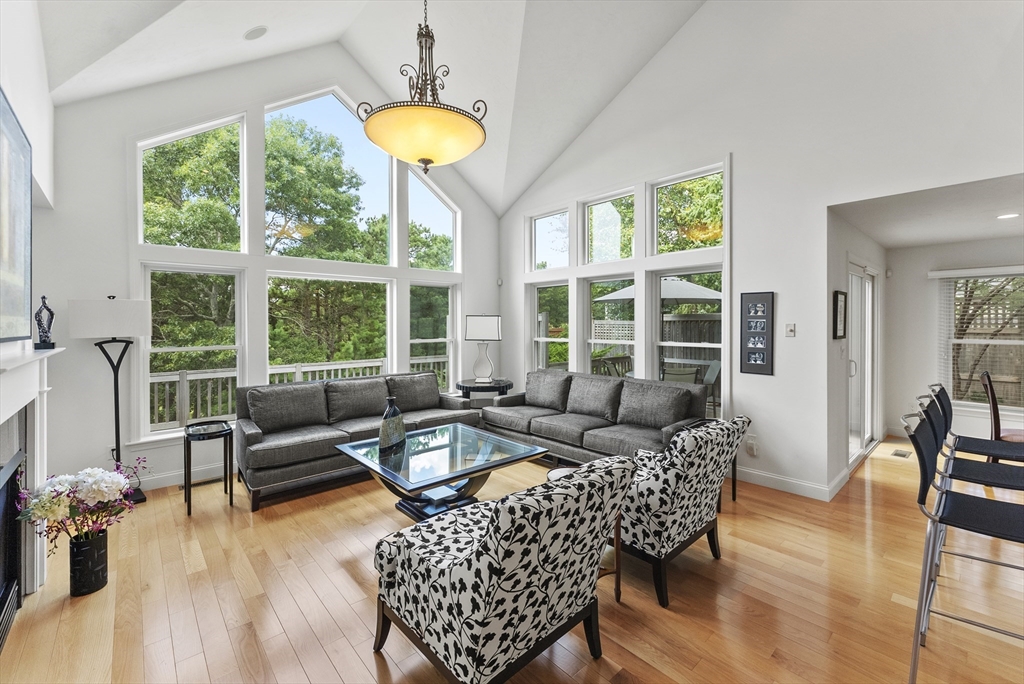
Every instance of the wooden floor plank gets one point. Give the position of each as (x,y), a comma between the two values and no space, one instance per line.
(805,591)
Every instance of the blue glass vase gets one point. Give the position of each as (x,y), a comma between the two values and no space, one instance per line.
(392,429)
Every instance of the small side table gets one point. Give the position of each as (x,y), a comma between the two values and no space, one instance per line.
(499,385)
(200,432)
(616,549)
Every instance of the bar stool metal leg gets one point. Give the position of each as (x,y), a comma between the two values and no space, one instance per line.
(922,598)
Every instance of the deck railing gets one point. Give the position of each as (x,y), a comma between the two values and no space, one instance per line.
(177,397)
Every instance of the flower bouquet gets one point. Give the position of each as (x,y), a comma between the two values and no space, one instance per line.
(81,506)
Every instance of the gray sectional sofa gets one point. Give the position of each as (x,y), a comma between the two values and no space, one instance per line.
(580,417)
(285,435)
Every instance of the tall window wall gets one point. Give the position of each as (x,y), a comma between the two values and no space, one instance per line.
(644,295)
(307,286)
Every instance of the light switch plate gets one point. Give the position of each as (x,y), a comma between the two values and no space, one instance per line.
(791,330)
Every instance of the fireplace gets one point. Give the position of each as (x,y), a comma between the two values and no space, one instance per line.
(13,443)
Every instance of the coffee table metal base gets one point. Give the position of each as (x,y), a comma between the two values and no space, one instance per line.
(435,501)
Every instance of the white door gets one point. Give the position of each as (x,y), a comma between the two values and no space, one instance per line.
(860,335)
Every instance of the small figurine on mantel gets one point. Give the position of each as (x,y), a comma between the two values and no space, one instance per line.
(44,328)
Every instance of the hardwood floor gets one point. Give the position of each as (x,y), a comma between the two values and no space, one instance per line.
(805,591)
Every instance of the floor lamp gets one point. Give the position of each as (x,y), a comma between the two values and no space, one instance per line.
(483,329)
(116,320)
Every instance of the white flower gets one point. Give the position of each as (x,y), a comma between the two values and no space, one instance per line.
(96,485)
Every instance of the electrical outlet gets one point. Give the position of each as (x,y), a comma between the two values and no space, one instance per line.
(791,330)
(752,445)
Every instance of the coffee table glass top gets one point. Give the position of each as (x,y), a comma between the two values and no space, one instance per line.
(439,456)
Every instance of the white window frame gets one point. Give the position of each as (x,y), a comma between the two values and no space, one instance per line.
(147,350)
(243,196)
(588,340)
(584,221)
(449,340)
(535,313)
(946,301)
(456,222)
(531,232)
(652,218)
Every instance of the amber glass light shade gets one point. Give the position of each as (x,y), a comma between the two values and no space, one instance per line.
(424,133)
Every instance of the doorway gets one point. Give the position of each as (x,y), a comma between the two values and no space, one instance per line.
(861,339)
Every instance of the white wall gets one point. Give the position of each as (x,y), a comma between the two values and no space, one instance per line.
(847,245)
(912,314)
(85,246)
(819,104)
(23,78)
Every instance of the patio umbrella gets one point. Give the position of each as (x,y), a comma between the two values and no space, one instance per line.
(673,292)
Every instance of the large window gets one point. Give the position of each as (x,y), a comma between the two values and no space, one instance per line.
(193,355)
(431,229)
(551,338)
(981,329)
(610,230)
(611,327)
(690,339)
(191,192)
(322,329)
(327,187)
(551,241)
(430,336)
(689,214)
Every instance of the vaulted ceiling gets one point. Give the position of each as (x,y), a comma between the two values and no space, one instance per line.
(546,68)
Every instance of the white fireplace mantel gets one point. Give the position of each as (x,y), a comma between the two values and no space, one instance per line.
(24,382)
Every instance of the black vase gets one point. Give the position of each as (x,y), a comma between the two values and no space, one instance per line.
(392,429)
(88,564)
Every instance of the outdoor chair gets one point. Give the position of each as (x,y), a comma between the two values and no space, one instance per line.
(673,499)
(996,519)
(484,589)
(710,380)
(993,449)
(680,375)
(999,433)
(618,366)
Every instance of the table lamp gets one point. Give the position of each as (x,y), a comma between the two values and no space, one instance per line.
(112,319)
(483,329)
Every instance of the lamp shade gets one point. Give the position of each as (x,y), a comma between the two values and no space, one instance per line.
(423,132)
(483,328)
(95,318)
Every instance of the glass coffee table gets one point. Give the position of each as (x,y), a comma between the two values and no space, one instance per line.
(441,468)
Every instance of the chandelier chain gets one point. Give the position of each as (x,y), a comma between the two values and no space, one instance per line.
(424,12)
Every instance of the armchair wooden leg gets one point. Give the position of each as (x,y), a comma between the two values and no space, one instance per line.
(383,627)
(713,540)
(661,580)
(593,631)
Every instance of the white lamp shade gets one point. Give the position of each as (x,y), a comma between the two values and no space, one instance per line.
(96,318)
(485,328)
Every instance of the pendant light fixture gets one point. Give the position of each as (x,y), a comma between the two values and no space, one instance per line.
(423,130)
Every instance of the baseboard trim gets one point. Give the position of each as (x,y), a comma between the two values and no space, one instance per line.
(177,477)
(841,479)
(811,490)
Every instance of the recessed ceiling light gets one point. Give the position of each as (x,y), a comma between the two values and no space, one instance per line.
(1008,216)
(254,33)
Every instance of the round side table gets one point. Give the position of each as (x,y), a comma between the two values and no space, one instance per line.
(200,432)
(611,566)
(499,385)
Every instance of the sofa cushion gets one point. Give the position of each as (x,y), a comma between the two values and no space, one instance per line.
(367,427)
(356,397)
(653,404)
(414,391)
(623,439)
(567,427)
(594,395)
(548,389)
(515,417)
(429,418)
(281,407)
(294,446)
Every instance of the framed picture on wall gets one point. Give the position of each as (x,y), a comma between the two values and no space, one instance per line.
(757,333)
(838,315)
(15,227)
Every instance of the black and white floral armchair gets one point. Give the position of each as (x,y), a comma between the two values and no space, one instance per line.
(484,589)
(673,499)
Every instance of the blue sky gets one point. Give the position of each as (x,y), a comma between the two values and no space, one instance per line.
(327,114)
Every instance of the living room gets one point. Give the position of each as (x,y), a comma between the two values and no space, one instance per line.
(803,109)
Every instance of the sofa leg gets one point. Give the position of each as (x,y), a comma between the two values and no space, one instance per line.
(593,630)
(384,626)
(661,580)
(255,495)
(713,540)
